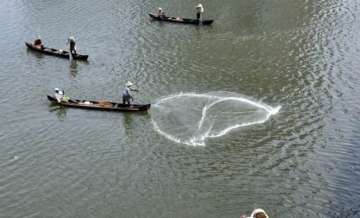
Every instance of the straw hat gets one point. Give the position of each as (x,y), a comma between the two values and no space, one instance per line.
(258,212)
(128,84)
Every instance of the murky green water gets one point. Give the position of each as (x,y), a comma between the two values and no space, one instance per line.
(300,55)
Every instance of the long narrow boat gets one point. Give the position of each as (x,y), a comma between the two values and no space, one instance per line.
(181,20)
(101,105)
(56,52)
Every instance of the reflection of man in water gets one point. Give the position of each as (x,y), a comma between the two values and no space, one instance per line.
(73,68)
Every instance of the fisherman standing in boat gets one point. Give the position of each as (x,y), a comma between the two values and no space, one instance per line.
(71,42)
(199,11)
(126,97)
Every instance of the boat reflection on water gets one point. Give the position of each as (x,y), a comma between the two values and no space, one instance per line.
(36,54)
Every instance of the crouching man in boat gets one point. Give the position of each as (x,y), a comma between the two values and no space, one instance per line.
(126,97)
(60,95)
(199,10)
(38,43)
(71,42)
(160,13)
(257,213)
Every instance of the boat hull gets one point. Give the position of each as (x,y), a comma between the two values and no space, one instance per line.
(101,105)
(56,52)
(181,20)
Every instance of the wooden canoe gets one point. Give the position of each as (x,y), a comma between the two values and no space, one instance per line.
(56,52)
(181,20)
(101,105)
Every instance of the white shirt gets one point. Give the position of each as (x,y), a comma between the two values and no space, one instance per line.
(200,8)
(59,96)
(126,91)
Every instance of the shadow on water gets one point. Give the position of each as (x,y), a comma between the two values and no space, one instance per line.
(130,124)
(59,110)
(33,53)
(128,121)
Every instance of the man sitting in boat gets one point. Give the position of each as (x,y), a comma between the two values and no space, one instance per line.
(199,11)
(160,12)
(38,43)
(60,95)
(257,213)
(126,97)
(71,41)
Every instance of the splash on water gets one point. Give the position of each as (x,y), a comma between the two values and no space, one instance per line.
(190,118)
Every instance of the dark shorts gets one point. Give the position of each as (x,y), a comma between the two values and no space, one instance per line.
(198,15)
(126,99)
(72,48)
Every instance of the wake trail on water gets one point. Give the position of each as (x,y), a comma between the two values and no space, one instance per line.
(191,118)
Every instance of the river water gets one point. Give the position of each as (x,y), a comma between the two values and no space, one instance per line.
(285,139)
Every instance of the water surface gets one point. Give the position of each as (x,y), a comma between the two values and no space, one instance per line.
(300,55)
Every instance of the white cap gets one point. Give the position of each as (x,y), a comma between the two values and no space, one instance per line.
(199,5)
(256,211)
(128,84)
(59,91)
(72,38)
(160,9)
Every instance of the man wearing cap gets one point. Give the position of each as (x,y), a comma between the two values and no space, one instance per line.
(126,97)
(199,11)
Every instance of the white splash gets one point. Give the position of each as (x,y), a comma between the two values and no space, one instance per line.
(175,119)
